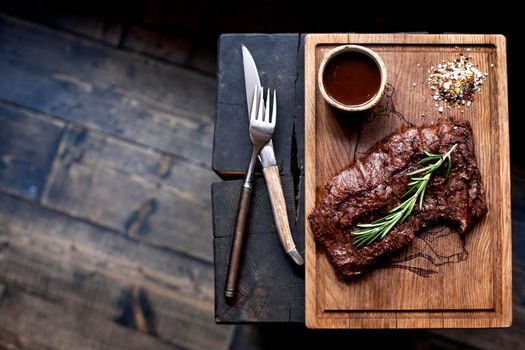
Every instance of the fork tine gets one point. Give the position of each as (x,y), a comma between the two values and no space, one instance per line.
(267,109)
(274,109)
(253,111)
(260,115)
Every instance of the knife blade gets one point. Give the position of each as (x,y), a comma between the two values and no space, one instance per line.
(251,79)
(269,164)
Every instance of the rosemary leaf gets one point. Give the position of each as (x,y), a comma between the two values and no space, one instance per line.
(448,168)
(379,228)
(422,195)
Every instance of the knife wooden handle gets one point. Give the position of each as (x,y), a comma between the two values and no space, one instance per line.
(237,243)
(273,182)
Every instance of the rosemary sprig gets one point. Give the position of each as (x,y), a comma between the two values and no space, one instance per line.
(379,228)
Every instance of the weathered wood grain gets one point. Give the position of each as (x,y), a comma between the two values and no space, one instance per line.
(151,197)
(225,200)
(98,273)
(61,326)
(98,20)
(28,144)
(279,59)
(204,59)
(107,89)
(178,17)
(157,44)
(180,50)
(270,288)
(277,69)
(391,298)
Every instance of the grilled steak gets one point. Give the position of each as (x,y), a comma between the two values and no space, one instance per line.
(373,185)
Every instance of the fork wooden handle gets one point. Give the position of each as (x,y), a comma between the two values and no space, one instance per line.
(237,243)
(273,182)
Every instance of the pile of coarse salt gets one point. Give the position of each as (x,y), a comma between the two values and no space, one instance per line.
(455,82)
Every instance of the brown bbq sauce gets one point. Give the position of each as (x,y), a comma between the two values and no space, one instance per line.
(352,78)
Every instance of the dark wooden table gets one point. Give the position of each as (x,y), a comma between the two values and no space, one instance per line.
(272,290)
(106,129)
(105,167)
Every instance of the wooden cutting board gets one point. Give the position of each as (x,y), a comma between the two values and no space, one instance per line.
(440,281)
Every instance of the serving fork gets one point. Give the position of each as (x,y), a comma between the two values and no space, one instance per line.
(262,125)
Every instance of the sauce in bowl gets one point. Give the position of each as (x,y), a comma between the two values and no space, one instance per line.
(352,78)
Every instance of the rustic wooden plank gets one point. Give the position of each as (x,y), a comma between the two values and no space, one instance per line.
(99,20)
(330,137)
(277,69)
(28,143)
(85,267)
(180,49)
(271,287)
(280,62)
(10,340)
(145,306)
(204,59)
(151,197)
(187,17)
(32,322)
(262,296)
(139,99)
(225,199)
(151,42)
(154,43)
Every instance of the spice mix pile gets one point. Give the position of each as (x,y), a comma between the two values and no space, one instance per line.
(456,82)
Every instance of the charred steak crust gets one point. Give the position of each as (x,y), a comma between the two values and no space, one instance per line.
(373,185)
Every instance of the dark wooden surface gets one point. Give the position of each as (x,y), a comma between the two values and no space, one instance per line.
(105,168)
(280,61)
(105,226)
(265,293)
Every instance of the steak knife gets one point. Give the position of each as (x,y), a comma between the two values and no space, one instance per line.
(269,164)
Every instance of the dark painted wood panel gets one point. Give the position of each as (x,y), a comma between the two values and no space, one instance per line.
(62,326)
(225,197)
(175,17)
(272,290)
(279,59)
(97,19)
(126,95)
(181,50)
(158,44)
(204,59)
(28,143)
(151,197)
(271,287)
(102,276)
